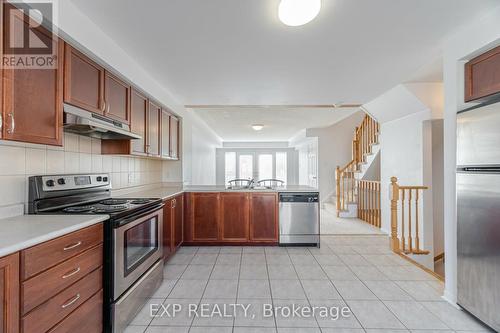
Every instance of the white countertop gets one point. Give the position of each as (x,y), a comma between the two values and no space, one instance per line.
(167,192)
(160,192)
(20,232)
(222,188)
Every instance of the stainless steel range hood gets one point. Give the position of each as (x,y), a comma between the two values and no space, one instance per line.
(86,123)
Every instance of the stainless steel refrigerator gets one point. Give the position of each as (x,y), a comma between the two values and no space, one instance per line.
(478,212)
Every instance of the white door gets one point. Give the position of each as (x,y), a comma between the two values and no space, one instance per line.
(312,167)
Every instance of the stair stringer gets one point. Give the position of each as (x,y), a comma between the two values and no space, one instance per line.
(369,159)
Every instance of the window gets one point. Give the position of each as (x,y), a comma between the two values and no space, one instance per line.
(230,166)
(246,167)
(258,165)
(265,166)
(281,163)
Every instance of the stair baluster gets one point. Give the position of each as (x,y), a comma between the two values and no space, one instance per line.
(405,195)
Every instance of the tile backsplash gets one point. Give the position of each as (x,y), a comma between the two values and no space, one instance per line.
(79,154)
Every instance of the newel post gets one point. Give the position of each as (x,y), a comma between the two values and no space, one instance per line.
(394,192)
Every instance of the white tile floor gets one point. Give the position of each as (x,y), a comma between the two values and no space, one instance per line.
(333,225)
(384,293)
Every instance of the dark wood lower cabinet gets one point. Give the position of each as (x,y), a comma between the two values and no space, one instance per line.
(9,294)
(234,216)
(63,296)
(203,217)
(231,218)
(86,319)
(46,285)
(168,237)
(54,310)
(264,217)
(173,225)
(178,223)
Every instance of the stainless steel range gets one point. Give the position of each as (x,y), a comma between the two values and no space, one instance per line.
(133,250)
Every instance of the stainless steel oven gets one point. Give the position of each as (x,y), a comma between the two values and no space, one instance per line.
(137,247)
(133,249)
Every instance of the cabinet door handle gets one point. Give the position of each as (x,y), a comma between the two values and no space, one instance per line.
(103,106)
(70,247)
(73,300)
(67,275)
(107,108)
(1,122)
(12,123)
(174,203)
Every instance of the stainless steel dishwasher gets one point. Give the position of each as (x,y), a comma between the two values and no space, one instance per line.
(299,219)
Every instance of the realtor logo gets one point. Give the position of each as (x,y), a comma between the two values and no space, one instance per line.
(30,37)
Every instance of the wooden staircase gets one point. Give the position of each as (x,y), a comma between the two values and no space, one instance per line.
(357,197)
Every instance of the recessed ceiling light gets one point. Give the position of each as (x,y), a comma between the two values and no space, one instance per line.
(257,127)
(298,12)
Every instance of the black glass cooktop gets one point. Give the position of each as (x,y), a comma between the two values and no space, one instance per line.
(112,207)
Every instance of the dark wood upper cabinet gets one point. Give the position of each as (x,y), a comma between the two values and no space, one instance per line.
(139,122)
(32,98)
(153,144)
(264,217)
(117,98)
(204,216)
(174,138)
(9,294)
(165,133)
(153,124)
(234,209)
(482,75)
(83,81)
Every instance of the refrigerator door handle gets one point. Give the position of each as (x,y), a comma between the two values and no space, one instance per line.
(474,169)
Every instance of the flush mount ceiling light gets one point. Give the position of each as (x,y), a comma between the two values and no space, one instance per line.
(257,127)
(298,12)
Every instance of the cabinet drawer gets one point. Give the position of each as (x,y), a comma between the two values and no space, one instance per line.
(86,319)
(55,309)
(40,288)
(41,257)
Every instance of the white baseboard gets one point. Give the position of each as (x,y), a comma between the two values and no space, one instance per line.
(448,297)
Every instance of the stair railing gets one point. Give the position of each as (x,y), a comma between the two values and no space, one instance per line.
(346,186)
(406,197)
(365,136)
(369,202)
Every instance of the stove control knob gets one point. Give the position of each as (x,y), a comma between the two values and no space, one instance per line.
(99,178)
(105,179)
(50,183)
(61,181)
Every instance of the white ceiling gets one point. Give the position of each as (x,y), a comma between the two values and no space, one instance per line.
(237,52)
(280,123)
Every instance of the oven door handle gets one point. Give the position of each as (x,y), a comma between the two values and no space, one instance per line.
(121,223)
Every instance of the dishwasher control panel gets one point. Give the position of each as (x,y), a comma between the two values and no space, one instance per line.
(289,197)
